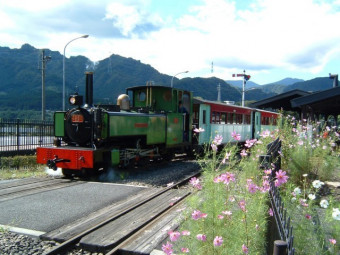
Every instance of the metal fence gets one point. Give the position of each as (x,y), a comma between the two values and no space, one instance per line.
(280,232)
(19,137)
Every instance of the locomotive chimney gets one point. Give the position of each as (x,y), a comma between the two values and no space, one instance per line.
(89,89)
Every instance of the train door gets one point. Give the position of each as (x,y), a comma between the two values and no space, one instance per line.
(257,125)
(204,122)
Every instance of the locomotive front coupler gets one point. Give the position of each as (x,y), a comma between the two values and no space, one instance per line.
(52,163)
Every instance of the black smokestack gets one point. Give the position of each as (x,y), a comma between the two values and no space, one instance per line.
(89,89)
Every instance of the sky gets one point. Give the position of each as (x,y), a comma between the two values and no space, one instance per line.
(269,39)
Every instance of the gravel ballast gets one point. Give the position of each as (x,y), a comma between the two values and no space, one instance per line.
(151,176)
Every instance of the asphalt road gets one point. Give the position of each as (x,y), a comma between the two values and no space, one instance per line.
(49,210)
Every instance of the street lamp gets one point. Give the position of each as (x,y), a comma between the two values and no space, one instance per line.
(83,36)
(172,79)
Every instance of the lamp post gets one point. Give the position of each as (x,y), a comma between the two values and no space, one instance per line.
(83,36)
(172,79)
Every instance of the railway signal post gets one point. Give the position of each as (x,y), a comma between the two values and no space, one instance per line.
(245,79)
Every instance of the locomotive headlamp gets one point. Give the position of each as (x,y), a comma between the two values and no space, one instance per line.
(76,100)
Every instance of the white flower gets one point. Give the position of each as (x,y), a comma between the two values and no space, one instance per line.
(324,203)
(311,196)
(317,184)
(293,199)
(336,214)
(305,175)
(297,191)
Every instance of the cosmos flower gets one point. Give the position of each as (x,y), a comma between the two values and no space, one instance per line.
(185,233)
(336,214)
(174,236)
(311,196)
(243,153)
(271,212)
(244,249)
(281,178)
(236,136)
(167,248)
(317,184)
(199,130)
(218,241)
(332,241)
(324,203)
(201,237)
(218,139)
(226,157)
(297,191)
(195,182)
(185,250)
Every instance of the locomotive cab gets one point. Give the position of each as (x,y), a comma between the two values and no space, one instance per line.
(159,99)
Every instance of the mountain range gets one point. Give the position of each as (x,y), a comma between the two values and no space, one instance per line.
(21,80)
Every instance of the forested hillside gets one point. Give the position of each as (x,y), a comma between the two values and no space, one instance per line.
(21,81)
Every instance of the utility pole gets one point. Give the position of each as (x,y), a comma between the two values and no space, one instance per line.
(44,60)
(219,92)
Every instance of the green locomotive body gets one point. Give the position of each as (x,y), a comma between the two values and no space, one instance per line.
(146,122)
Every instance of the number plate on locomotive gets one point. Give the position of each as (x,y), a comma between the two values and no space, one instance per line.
(77,118)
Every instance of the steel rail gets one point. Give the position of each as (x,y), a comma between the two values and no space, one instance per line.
(146,225)
(65,245)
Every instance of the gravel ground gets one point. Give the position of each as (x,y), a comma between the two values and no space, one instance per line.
(146,175)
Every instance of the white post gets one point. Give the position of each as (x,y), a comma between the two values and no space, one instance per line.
(83,36)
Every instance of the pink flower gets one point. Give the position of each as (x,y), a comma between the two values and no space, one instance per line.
(332,241)
(265,186)
(236,136)
(250,143)
(167,248)
(244,249)
(226,157)
(242,205)
(199,130)
(300,142)
(218,139)
(228,213)
(201,237)
(265,133)
(218,241)
(185,250)
(252,188)
(228,177)
(218,179)
(195,182)
(243,153)
(174,236)
(303,202)
(308,217)
(281,177)
(270,212)
(214,147)
(220,217)
(268,171)
(196,215)
(185,233)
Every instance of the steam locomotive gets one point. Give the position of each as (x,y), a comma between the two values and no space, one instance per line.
(147,122)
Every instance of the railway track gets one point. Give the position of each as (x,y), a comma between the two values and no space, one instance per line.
(136,226)
(30,186)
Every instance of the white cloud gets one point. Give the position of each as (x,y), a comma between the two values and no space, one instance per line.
(267,34)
